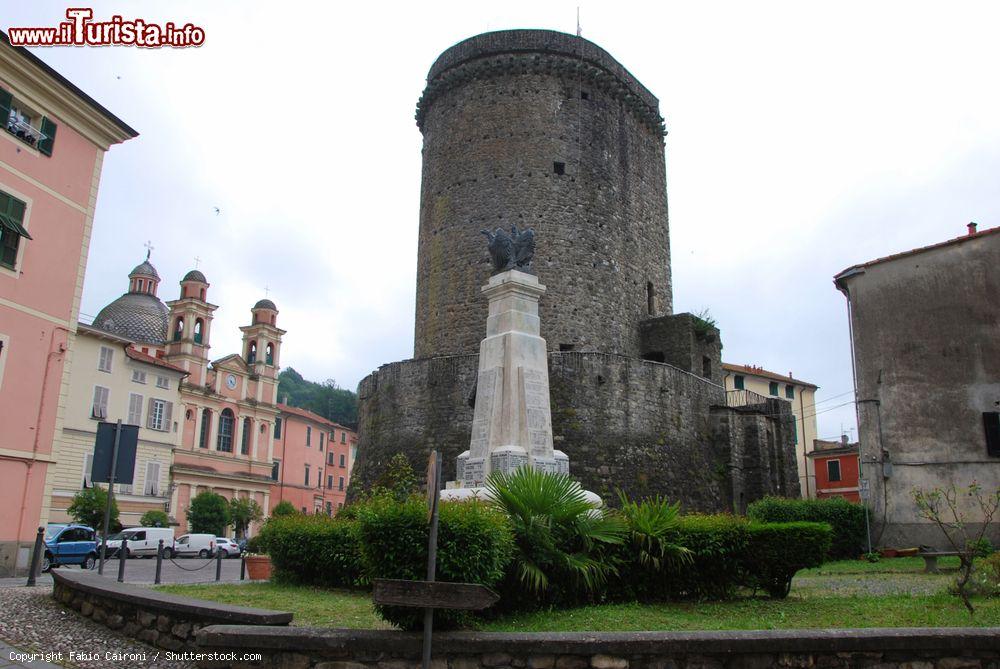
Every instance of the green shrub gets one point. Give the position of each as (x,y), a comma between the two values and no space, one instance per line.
(284,508)
(313,550)
(475,544)
(154,518)
(564,549)
(208,513)
(649,556)
(717,544)
(777,550)
(87,508)
(985,578)
(256,545)
(846,518)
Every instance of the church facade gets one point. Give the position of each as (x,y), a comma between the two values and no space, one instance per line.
(218,416)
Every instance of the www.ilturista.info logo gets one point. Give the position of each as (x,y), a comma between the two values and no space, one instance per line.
(81,30)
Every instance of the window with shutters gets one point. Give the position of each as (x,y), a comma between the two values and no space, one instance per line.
(134,409)
(159,415)
(309,435)
(790,391)
(739,382)
(88,466)
(138,376)
(275,467)
(163,382)
(11,229)
(319,478)
(329,458)
(206,423)
(343,437)
(991,421)
(99,408)
(104,359)
(277,428)
(307,476)
(151,484)
(340,485)
(772,388)
(833,470)
(245,443)
(321,435)
(342,460)
(27,124)
(329,481)
(224,442)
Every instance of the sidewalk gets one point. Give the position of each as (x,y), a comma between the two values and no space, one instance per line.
(8,652)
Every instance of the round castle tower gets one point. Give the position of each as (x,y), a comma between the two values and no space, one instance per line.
(541,129)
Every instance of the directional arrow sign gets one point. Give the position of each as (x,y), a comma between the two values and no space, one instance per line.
(433,594)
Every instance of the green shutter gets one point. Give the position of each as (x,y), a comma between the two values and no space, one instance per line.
(49,130)
(12,215)
(6,100)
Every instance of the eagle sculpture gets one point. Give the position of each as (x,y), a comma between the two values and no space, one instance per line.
(512,250)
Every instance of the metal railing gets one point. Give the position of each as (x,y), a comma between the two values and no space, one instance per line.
(745,398)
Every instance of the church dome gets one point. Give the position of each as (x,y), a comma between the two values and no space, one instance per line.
(265,304)
(139,316)
(145,268)
(194,275)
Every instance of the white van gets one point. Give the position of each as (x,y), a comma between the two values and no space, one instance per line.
(142,541)
(191,545)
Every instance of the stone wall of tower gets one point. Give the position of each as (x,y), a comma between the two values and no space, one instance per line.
(502,115)
(643,427)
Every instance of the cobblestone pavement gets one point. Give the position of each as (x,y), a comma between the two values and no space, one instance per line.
(142,571)
(31,621)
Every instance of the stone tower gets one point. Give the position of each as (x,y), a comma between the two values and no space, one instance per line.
(541,129)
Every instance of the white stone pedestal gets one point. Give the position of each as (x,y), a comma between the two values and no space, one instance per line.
(512,422)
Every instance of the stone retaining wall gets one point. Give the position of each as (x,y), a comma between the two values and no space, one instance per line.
(159,619)
(307,648)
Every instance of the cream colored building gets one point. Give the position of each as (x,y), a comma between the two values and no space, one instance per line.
(802,396)
(110,379)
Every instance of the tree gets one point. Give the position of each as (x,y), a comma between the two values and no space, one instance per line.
(242,512)
(943,507)
(398,479)
(88,505)
(283,508)
(154,518)
(208,513)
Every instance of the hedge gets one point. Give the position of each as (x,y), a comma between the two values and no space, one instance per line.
(775,551)
(846,518)
(717,544)
(314,550)
(475,543)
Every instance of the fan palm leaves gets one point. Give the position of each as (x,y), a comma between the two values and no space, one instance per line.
(558,532)
(652,525)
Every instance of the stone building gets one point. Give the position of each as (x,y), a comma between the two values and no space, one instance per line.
(801,395)
(924,330)
(53,142)
(533,128)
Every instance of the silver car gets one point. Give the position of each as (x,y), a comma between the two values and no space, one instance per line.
(227,547)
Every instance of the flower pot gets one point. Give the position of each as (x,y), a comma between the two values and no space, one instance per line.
(258,567)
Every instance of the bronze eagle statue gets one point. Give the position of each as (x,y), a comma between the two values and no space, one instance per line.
(512,250)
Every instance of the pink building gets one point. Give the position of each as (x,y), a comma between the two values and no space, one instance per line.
(53,138)
(312,461)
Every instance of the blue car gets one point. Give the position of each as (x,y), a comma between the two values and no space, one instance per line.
(69,544)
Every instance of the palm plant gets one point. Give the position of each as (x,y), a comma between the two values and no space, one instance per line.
(652,523)
(559,535)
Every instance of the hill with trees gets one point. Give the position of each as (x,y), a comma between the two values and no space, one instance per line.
(326,399)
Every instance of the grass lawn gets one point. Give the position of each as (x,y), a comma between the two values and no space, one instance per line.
(891,593)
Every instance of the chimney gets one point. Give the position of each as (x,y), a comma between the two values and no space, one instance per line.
(972,228)
(843,439)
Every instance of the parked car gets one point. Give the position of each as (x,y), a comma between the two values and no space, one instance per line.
(141,540)
(228,547)
(69,544)
(191,545)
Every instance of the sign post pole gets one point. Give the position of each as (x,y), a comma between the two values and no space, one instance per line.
(111,492)
(433,495)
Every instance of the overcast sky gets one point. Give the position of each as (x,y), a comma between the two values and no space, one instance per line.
(803,138)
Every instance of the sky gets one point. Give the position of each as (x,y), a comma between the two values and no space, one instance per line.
(804,138)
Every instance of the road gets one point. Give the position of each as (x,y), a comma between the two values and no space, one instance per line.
(142,571)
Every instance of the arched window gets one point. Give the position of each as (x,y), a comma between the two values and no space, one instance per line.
(202,294)
(245,444)
(138,285)
(269,353)
(206,422)
(226,423)
(252,353)
(199,325)
(650,299)
(179,329)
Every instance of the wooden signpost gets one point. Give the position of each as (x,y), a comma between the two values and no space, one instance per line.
(429,594)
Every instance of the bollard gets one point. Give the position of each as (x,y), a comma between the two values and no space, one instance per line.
(36,557)
(159,562)
(218,565)
(243,567)
(121,560)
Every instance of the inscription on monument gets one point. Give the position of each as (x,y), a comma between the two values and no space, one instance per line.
(486,391)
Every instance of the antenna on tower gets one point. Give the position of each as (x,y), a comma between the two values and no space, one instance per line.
(579,31)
